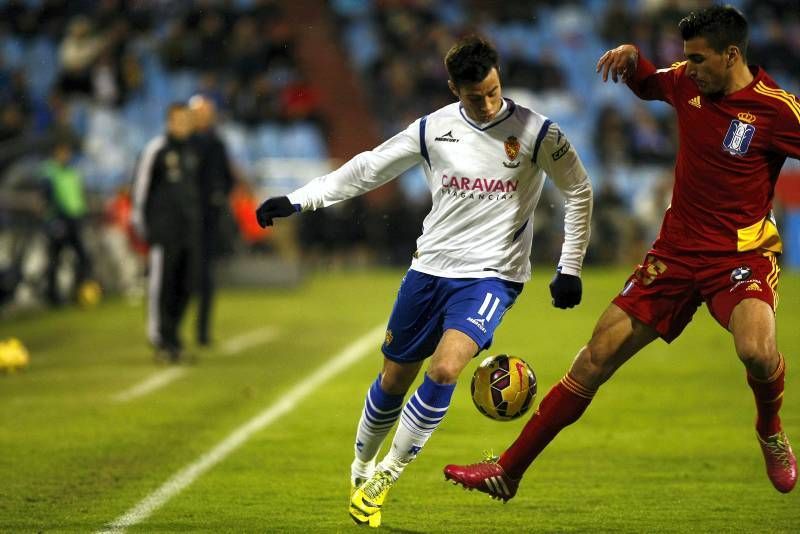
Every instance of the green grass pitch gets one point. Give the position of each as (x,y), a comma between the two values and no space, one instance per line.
(667,445)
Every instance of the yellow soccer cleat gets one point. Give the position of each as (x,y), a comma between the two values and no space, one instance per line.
(360,519)
(356,483)
(367,499)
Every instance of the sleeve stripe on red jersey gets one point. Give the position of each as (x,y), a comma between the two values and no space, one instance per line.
(672,67)
(781,95)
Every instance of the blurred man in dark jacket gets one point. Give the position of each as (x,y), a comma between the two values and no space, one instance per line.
(166,215)
(215,181)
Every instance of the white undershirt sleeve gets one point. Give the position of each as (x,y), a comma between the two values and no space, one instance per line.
(365,172)
(562,164)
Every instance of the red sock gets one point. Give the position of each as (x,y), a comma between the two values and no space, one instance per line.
(769,397)
(562,406)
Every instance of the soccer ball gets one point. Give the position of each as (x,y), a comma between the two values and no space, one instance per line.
(503,387)
(89,294)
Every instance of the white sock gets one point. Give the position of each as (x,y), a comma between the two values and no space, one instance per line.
(421,415)
(380,412)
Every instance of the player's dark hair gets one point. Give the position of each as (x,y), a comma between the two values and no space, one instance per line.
(470,60)
(721,26)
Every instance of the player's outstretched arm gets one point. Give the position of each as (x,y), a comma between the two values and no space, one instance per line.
(620,62)
(361,174)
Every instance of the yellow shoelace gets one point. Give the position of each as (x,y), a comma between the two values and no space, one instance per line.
(780,450)
(489,457)
(377,484)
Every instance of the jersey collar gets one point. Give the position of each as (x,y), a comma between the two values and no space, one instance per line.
(506,110)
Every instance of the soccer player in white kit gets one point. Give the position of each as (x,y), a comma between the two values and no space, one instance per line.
(484,158)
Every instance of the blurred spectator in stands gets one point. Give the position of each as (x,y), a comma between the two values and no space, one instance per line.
(131,74)
(612,226)
(5,78)
(108,13)
(12,121)
(611,138)
(243,204)
(66,210)
(247,53)
(114,78)
(77,54)
(300,101)
(540,76)
(518,71)
(116,72)
(650,142)
(180,47)
(52,17)
(106,84)
(209,86)
(124,250)
(254,102)
(211,34)
(775,52)
(648,207)
(278,38)
(215,179)
(15,89)
(668,13)
(617,23)
(52,118)
(396,84)
(667,46)
(19,18)
(392,227)
(767,10)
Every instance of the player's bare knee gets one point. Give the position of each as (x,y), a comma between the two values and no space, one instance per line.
(396,383)
(392,386)
(444,372)
(758,355)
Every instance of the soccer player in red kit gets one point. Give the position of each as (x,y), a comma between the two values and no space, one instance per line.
(718,242)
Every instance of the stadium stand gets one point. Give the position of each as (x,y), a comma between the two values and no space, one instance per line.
(291,79)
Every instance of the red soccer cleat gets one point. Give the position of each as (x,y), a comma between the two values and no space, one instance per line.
(781,462)
(487,476)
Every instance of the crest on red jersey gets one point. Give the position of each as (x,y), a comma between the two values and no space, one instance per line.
(738,138)
(747,117)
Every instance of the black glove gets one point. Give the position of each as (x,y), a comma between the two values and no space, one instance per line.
(272,208)
(566,290)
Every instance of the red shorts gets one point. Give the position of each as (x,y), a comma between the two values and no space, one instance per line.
(666,289)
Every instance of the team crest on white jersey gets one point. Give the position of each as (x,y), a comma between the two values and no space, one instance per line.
(512,151)
(738,138)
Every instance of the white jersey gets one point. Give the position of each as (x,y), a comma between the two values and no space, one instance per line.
(485,180)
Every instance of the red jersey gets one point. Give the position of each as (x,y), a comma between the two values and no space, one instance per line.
(731,151)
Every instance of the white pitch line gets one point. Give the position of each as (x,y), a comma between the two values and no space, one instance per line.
(148,385)
(289,401)
(248,340)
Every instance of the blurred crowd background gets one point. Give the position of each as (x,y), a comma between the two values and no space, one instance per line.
(301,86)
